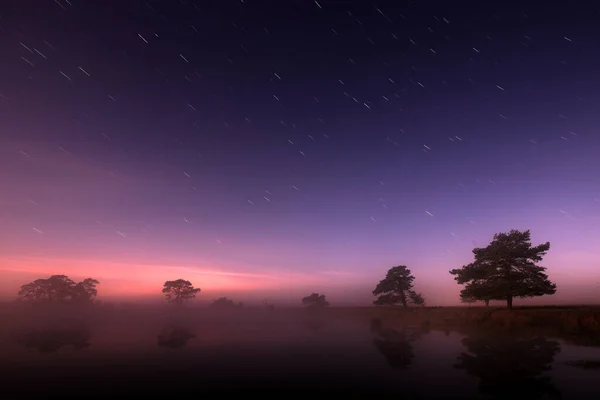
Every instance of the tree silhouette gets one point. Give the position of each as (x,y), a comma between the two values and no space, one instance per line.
(85,291)
(397,288)
(510,367)
(315,300)
(59,289)
(179,291)
(470,299)
(225,303)
(417,299)
(506,269)
(476,291)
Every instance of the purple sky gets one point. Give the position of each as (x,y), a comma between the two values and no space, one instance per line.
(268,150)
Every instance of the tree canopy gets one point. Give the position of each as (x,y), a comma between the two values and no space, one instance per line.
(397,288)
(59,289)
(476,291)
(315,300)
(467,297)
(505,269)
(179,291)
(85,290)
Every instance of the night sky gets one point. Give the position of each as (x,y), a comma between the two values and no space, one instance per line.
(269,149)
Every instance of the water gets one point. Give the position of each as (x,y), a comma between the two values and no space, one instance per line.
(285,355)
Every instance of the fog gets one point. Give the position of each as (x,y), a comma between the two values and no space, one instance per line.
(141,325)
(127,343)
(107,347)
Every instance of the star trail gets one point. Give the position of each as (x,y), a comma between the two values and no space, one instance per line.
(269,149)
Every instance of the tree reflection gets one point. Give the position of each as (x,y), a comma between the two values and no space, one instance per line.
(174,337)
(510,367)
(48,340)
(395,345)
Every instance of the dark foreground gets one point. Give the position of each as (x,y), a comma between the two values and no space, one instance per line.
(62,356)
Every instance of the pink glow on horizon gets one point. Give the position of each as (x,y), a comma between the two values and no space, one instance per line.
(121,279)
(579,283)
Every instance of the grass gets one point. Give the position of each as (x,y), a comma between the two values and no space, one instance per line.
(563,319)
(568,319)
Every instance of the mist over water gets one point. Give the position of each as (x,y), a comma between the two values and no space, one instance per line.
(45,350)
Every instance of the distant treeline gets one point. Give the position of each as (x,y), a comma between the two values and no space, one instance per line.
(504,270)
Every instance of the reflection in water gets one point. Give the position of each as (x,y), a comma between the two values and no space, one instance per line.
(52,339)
(511,367)
(396,346)
(174,337)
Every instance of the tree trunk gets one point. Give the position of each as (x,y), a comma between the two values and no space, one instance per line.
(403,299)
(509,303)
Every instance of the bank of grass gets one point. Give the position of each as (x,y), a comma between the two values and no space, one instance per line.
(564,320)
(581,321)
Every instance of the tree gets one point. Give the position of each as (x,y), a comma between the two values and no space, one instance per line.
(397,288)
(59,289)
(476,291)
(506,269)
(85,291)
(315,300)
(179,291)
(224,302)
(417,299)
(466,298)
